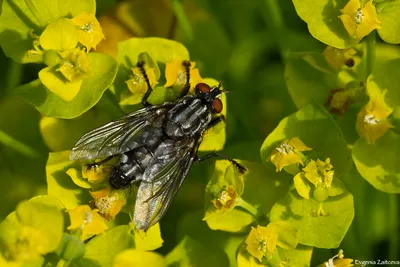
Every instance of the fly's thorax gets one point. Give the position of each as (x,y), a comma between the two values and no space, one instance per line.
(189,117)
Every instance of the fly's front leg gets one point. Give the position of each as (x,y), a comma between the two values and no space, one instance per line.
(214,154)
(96,164)
(215,121)
(140,65)
(186,64)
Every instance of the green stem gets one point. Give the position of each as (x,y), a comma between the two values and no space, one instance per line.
(273,17)
(240,202)
(394,242)
(371,52)
(14,75)
(182,19)
(17,145)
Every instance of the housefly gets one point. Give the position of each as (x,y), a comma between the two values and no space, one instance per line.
(156,146)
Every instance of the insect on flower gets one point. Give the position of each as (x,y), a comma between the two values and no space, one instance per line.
(156,146)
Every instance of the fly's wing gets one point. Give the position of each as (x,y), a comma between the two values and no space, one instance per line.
(156,193)
(116,137)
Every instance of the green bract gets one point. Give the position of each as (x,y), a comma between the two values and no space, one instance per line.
(317,129)
(34,229)
(21,19)
(317,231)
(323,21)
(100,75)
(381,170)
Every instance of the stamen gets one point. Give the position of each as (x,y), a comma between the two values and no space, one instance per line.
(370,119)
(285,149)
(359,16)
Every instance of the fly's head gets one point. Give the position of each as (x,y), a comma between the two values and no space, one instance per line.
(210,96)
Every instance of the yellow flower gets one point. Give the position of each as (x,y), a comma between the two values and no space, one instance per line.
(372,122)
(338,261)
(225,199)
(359,20)
(337,58)
(319,172)
(87,220)
(261,242)
(75,64)
(89,30)
(109,202)
(288,153)
(137,84)
(176,74)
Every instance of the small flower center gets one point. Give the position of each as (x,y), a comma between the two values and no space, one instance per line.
(359,16)
(88,27)
(370,119)
(262,245)
(285,149)
(88,218)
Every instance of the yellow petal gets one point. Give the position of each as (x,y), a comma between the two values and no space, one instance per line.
(298,144)
(100,193)
(252,242)
(79,216)
(351,7)
(349,24)
(89,30)
(96,226)
(171,72)
(343,262)
(302,187)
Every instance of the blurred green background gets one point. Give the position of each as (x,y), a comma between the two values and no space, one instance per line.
(242,43)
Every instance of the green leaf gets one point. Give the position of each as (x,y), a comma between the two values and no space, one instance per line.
(70,248)
(385,78)
(20,17)
(317,129)
(306,83)
(318,231)
(103,69)
(133,257)
(387,14)
(103,248)
(190,252)
(322,18)
(61,134)
(382,169)
(149,240)
(60,185)
(59,35)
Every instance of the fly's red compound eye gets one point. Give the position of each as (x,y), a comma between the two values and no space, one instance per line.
(217,105)
(202,87)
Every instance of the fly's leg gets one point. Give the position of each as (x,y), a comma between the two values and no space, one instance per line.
(140,65)
(186,64)
(214,154)
(215,121)
(96,164)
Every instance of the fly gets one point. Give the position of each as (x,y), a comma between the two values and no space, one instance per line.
(156,146)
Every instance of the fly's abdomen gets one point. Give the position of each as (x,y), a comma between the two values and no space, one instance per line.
(131,167)
(187,119)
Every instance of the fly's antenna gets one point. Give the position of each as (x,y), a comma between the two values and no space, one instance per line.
(222,90)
